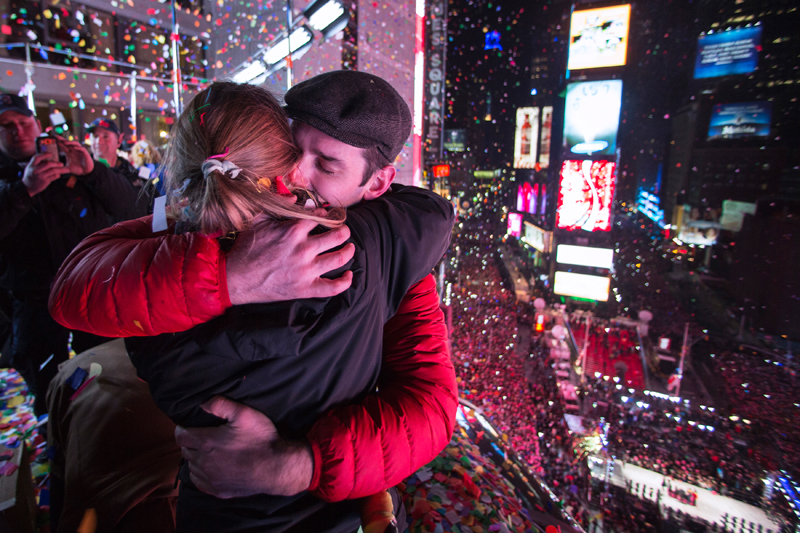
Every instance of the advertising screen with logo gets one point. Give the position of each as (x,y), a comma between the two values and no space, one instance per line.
(649,205)
(599,37)
(727,53)
(592,117)
(568,254)
(585,195)
(455,140)
(739,121)
(526,141)
(515,224)
(582,286)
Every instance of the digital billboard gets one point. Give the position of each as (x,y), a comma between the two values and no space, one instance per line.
(650,206)
(537,237)
(733,214)
(739,121)
(582,286)
(585,195)
(455,140)
(515,224)
(592,117)
(599,37)
(547,134)
(526,141)
(568,254)
(527,196)
(727,53)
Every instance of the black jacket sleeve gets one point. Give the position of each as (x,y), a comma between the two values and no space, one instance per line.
(404,233)
(15,202)
(115,194)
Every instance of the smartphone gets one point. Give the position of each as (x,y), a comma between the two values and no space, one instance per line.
(49,145)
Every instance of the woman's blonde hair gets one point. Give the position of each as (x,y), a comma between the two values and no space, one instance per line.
(237,126)
(143,153)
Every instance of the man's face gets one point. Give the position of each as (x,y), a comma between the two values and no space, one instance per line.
(18,134)
(332,169)
(104,143)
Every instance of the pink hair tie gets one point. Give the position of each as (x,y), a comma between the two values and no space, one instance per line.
(220,155)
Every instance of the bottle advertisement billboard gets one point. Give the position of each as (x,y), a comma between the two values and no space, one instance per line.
(526,140)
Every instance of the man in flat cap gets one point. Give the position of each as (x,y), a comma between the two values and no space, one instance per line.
(49,206)
(350,126)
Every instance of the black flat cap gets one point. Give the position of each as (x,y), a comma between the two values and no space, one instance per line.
(356,108)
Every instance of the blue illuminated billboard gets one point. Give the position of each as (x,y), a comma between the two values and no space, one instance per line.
(739,121)
(727,53)
(592,117)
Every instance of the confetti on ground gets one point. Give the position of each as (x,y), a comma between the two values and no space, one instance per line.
(463,491)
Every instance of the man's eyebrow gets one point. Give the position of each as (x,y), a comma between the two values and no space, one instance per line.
(327,157)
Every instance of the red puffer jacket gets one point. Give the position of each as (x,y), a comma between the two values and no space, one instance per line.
(126,281)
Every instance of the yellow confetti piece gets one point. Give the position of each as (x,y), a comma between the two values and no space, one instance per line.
(15,401)
(138,325)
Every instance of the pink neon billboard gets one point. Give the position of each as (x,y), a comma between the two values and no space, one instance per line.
(585,195)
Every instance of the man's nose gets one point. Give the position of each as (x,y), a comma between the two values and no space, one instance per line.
(297,177)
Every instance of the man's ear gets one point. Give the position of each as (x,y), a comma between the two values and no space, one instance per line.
(380,182)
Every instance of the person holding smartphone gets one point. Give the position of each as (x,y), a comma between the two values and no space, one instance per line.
(48,207)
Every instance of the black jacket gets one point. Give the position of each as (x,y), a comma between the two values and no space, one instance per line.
(296,360)
(37,233)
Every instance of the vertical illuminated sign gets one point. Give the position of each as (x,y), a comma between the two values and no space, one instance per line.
(419,90)
(436,21)
(526,141)
(547,133)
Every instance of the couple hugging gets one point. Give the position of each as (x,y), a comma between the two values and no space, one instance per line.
(285,319)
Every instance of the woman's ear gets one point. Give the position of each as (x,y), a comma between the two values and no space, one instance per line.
(380,182)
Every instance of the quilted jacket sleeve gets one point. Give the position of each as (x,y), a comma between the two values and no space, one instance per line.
(125,281)
(367,447)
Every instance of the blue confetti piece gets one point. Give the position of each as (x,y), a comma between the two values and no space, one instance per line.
(83,213)
(78,377)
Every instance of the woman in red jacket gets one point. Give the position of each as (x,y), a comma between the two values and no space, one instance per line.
(197,190)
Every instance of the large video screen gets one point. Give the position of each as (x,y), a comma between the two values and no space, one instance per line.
(527,196)
(526,141)
(585,195)
(592,117)
(582,286)
(515,224)
(739,121)
(599,37)
(727,53)
(569,254)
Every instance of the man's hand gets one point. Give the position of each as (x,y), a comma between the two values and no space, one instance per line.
(278,261)
(246,456)
(79,161)
(40,172)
